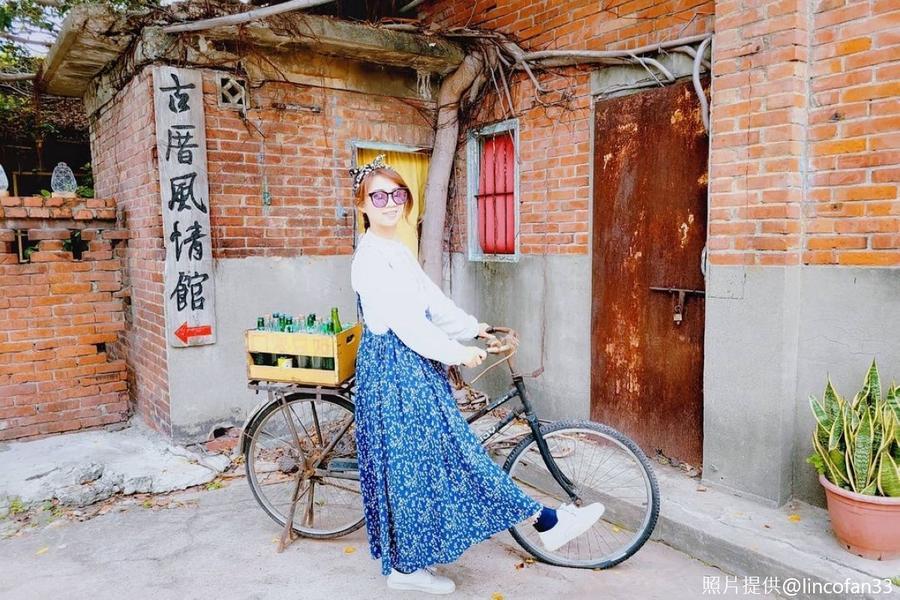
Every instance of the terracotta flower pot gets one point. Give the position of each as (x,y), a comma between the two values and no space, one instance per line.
(866,525)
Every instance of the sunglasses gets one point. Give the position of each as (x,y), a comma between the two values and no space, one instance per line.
(380,197)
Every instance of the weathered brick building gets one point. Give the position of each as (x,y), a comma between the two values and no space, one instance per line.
(707,278)
(798,211)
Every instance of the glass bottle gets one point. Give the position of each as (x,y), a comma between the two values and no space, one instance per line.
(335,320)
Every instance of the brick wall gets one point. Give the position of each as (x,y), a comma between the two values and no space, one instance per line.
(805,134)
(124,159)
(302,154)
(759,116)
(853,213)
(555,142)
(58,317)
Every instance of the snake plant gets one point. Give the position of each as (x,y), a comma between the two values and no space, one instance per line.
(857,443)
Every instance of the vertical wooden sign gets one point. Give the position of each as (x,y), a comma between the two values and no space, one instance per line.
(184,188)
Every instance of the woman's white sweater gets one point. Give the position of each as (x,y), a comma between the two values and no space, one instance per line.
(395,292)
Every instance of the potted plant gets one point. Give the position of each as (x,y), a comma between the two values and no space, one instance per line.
(857,456)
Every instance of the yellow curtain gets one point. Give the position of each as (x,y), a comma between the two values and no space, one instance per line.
(413,168)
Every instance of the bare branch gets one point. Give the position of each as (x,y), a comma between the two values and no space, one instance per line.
(400,27)
(440,167)
(572,61)
(22,40)
(512,107)
(17,76)
(519,54)
(49,3)
(244,17)
(689,50)
(476,87)
(491,65)
(601,54)
(411,5)
(643,60)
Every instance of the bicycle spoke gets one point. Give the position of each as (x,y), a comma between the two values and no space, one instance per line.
(305,430)
(330,506)
(315,416)
(308,517)
(602,469)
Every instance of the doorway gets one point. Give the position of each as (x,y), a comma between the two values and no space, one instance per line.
(649,231)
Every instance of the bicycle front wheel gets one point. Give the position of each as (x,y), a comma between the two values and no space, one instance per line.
(280,465)
(604,466)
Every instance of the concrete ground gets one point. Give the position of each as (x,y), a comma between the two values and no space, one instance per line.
(85,467)
(217,543)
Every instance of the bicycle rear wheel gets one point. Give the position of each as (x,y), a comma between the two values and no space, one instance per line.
(330,504)
(604,466)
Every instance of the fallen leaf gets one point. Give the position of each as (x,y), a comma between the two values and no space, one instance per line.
(794,518)
(349,549)
(529,561)
(496,596)
(616,529)
(701,488)
(521,565)
(42,550)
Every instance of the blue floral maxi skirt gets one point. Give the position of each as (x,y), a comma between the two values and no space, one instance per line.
(429,488)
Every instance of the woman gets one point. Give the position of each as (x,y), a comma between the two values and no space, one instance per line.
(429,488)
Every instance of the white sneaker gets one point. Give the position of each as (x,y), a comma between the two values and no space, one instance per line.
(571,522)
(421,580)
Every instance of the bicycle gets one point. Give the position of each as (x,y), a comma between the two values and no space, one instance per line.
(299,447)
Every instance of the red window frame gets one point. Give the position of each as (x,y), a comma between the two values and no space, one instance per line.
(496,216)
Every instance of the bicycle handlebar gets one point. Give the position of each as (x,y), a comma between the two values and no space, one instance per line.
(508,341)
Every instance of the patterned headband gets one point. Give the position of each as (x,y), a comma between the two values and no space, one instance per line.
(360,173)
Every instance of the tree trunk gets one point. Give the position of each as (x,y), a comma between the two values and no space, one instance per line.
(441,165)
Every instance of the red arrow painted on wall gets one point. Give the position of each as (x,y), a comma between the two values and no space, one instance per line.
(184,333)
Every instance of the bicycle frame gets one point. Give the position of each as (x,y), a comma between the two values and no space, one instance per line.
(517,390)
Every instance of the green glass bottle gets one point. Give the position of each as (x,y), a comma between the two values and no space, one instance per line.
(260,323)
(335,320)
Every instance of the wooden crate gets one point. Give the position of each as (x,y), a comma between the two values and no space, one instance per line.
(342,346)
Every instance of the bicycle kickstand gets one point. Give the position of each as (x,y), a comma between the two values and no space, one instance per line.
(287,535)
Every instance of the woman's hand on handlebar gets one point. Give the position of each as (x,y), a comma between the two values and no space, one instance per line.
(475,357)
(484,331)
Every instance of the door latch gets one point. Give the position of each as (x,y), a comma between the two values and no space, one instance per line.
(678,313)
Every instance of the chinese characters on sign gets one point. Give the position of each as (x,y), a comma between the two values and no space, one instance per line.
(184,187)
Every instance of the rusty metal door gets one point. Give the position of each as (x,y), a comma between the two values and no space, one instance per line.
(649,229)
